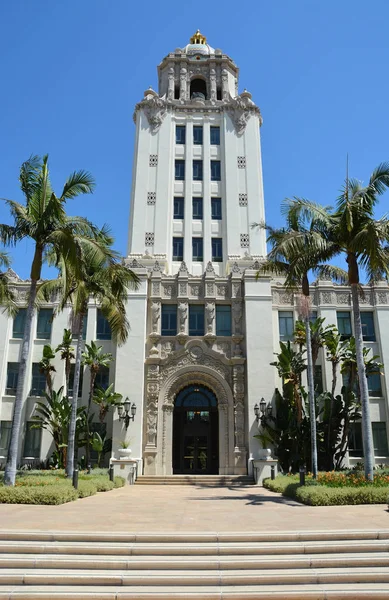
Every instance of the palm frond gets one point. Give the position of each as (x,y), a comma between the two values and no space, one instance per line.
(79,182)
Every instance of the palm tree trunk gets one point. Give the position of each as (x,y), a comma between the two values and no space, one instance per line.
(67,375)
(91,390)
(76,385)
(334,365)
(10,467)
(367,432)
(311,393)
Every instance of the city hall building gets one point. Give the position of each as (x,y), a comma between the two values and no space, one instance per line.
(204,327)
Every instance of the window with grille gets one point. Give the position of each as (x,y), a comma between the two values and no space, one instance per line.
(197,249)
(103,329)
(196,319)
(198,135)
(19,323)
(197,170)
(44,323)
(215,170)
(217,249)
(169,319)
(286,325)
(12,378)
(344,324)
(197,207)
(216,208)
(180,134)
(38,381)
(368,331)
(223,319)
(215,136)
(178,248)
(32,441)
(180,170)
(178,208)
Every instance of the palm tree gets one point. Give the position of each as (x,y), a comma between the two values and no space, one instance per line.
(105,399)
(7,296)
(287,258)
(46,367)
(67,354)
(42,219)
(352,231)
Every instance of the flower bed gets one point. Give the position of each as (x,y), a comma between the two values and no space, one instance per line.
(332,489)
(52,487)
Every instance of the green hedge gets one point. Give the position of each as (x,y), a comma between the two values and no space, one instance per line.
(320,495)
(38,495)
(119,481)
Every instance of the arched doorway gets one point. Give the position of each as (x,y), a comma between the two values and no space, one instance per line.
(198,89)
(195,431)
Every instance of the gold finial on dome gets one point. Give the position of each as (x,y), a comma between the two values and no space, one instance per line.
(198,38)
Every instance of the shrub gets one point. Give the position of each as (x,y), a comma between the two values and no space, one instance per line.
(102,483)
(119,481)
(38,495)
(86,488)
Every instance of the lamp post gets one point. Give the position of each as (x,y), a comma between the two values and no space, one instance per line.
(126,412)
(260,410)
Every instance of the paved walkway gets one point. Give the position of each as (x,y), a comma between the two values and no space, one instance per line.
(197,508)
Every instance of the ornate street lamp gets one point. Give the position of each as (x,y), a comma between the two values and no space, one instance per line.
(124,411)
(260,410)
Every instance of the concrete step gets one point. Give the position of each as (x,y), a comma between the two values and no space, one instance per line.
(211,480)
(337,591)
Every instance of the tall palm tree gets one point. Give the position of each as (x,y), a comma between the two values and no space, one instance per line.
(46,366)
(7,296)
(67,354)
(286,258)
(351,230)
(42,219)
(101,276)
(105,399)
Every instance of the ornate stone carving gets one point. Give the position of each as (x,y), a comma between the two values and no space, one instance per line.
(365,298)
(240,109)
(195,355)
(275,296)
(236,290)
(155,315)
(157,267)
(169,290)
(153,160)
(209,268)
(238,391)
(343,298)
(210,289)
(256,265)
(326,297)
(183,268)
(182,315)
(155,288)
(155,109)
(151,428)
(221,290)
(237,315)
(195,290)
(243,200)
(224,348)
(382,297)
(183,289)
(135,264)
(235,268)
(241,162)
(244,240)
(285,298)
(149,238)
(167,348)
(151,198)
(209,316)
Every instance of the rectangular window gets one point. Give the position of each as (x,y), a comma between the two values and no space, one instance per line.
(374,384)
(217,249)
(344,324)
(223,319)
(32,441)
(38,382)
(180,134)
(215,170)
(71,380)
(196,319)
(12,378)
(286,325)
(180,170)
(355,446)
(169,319)
(102,378)
(45,321)
(75,326)
(178,208)
(380,438)
(197,170)
(18,324)
(216,208)
(197,249)
(318,379)
(368,331)
(5,436)
(197,206)
(215,136)
(103,330)
(178,248)
(198,135)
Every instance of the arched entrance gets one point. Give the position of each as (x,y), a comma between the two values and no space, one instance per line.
(195,431)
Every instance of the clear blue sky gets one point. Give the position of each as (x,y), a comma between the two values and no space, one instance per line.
(71,72)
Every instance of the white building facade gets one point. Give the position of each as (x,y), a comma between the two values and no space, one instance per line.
(204,328)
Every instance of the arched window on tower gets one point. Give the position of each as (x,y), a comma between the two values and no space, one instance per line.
(198,89)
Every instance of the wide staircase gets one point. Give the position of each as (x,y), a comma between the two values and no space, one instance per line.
(201,480)
(274,566)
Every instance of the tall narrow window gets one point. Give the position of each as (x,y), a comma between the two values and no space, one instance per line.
(12,378)
(197,249)
(5,437)
(179,170)
(223,319)
(180,134)
(197,205)
(18,324)
(178,248)
(38,383)
(45,321)
(318,379)
(374,384)
(103,329)
(75,326)
(216,208)
(169,319)
(102,378)
(178,208)
(196,319)
(217,249)
(215,136)
(215,170)
(32,441)
(286,325)
(344,324)
(198,135)
(355,445)
(197,170)
(71,381)
(380,438)
(368,331)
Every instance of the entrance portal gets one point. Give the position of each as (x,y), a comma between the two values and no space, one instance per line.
(195,432)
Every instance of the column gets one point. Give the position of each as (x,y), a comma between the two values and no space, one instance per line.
(188,187)
(207,231)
